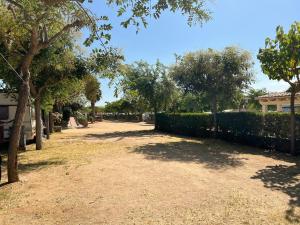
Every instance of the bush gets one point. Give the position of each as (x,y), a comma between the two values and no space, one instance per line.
(83,121)
(57,118)
(271,130)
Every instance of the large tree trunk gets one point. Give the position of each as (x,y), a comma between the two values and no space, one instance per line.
(23,95)
(292,122)
(38,119)
(93,111)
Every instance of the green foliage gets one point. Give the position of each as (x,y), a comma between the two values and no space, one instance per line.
(92,88)
(219,76)
(252,101)
(81,119)
(280,59)
(119,106)
(194,124)
(139,11)
(150,82)
(269,130)
(122,117)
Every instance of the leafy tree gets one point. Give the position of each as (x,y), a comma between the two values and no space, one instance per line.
(92,91)
(119,106)
(252,101)
(280,60)
(190,102)
(150,82)
(216,75)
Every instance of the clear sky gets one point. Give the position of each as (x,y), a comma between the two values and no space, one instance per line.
(243,23)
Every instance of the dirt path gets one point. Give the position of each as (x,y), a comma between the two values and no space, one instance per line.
(124,173)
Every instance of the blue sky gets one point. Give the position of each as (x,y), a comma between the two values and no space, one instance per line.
(242,23)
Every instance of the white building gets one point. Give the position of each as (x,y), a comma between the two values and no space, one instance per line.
(282,101)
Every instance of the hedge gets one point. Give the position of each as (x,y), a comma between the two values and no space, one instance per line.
(269,130)
(121,116)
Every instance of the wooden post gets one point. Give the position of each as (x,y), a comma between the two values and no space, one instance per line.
(22,143)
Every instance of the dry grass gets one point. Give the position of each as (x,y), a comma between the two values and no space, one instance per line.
(124,173)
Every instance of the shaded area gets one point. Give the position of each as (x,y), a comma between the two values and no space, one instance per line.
(121,135)
(211,155)
(28,167)
(31,166)
(286,179)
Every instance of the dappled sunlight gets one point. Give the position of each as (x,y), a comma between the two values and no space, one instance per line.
(284,178)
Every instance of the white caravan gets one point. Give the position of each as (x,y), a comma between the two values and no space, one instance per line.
(8,106)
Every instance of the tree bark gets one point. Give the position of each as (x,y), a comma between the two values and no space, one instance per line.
(51,122)
(47,125)
(38,119)
(12,162)
(93,110)
(292,122)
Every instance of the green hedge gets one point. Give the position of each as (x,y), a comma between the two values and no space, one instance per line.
(267,131)
(194,124)
(124,117)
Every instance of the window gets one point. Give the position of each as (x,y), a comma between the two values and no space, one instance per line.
(4,112)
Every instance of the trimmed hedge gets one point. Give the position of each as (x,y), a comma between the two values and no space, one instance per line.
(124,117)
(269,131)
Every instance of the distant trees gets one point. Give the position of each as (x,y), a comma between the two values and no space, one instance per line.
(92,91)
(280,60)
(216,75)
(150,82)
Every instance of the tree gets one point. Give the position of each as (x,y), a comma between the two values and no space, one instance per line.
(37,24)
(216,75)
(252,101)
(92,91)
(280,60)
(151,82)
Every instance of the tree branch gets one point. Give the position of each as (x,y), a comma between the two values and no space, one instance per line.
(77,23)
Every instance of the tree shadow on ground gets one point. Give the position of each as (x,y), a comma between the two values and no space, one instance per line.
(28,167)
(121,135)
(211,155)
(284,178)
(31,166)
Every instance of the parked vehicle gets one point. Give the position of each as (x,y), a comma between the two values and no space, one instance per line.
(8,106)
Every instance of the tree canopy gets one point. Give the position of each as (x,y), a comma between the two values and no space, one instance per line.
(280,60)
(218,75)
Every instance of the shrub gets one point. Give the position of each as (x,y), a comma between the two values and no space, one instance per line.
(268,131)
(83,121)
(57,118)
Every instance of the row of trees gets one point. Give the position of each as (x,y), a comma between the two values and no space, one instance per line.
(201,81)
(32,33)
(215,80)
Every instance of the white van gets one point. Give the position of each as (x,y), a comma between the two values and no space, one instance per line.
(8,106)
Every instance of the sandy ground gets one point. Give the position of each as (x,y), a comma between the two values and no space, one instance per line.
(125,173)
